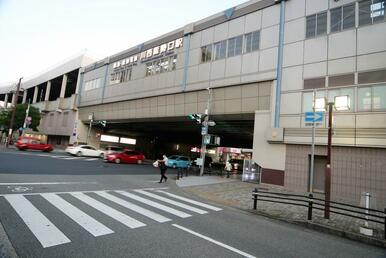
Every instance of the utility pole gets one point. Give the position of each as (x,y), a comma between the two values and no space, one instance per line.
(205,131)
(25,119)
(13,113)
(91,117)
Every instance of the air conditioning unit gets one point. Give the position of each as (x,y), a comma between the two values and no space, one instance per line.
(275,135)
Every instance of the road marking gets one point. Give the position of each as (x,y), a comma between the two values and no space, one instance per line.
(210,207)
(43,229)
(50,183)
(85,221)
(117,215)
(214,241)
(131,206)
(71,158)
(91,159)
(178,204)
(19,189)
(155,205)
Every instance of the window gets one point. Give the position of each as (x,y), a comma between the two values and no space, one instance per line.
(372,98)
(342,18)
(308,99)
(206,53)
(252,41)
(220,50)
(379,97)
(161,66)
(371,11)
(316,24)
(364,99)
(235,46)
(120,76)
(92,84)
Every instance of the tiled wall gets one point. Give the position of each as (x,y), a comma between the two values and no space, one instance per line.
(354,171)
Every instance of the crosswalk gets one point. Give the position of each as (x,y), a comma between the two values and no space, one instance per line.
(61,157)
(155,204)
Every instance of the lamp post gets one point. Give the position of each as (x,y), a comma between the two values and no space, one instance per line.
(340,103)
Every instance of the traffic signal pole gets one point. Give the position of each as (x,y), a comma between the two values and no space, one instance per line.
(205,125)
(13,113)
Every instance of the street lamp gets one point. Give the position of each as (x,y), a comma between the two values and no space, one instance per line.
(341,103)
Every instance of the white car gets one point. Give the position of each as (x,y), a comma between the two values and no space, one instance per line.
(84,150)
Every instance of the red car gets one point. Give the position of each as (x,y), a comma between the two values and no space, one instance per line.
(29,143)
(127,156)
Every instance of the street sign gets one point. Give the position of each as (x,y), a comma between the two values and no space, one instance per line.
(310,117)
(204,130)
(207,139)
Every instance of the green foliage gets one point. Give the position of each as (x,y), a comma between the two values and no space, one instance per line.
(5,117)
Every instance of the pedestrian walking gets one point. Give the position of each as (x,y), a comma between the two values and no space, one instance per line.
(162,164)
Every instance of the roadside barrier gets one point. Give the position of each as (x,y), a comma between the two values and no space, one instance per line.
(310,202)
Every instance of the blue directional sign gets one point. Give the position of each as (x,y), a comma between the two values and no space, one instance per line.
(314,117)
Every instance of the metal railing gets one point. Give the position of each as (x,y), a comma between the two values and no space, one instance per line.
(312,203)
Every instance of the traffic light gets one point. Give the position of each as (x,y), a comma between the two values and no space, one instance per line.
(103,123)
(198,117)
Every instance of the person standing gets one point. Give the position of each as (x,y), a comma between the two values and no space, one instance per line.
(162,164)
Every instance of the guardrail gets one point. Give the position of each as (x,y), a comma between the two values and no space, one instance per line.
(312,203)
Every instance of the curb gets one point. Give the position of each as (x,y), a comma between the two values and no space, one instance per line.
(327,229)
(6,248)
(310,225)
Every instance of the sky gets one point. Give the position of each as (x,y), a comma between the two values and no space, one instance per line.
(39,34)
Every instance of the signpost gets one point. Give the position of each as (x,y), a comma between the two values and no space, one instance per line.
(313,119)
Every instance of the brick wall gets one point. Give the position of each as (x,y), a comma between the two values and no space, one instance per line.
(354,170)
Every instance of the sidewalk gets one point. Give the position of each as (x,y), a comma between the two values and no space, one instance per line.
(237,194)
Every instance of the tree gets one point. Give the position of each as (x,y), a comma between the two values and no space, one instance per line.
(34,113)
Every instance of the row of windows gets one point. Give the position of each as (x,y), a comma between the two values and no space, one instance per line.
(343,17)
(92,84)
(371,98)
(121,76)
(163,65)
(231,47)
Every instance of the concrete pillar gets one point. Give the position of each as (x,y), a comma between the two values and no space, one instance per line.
(48,90)
(14,99)
(35,97)
(63,88)
(6,100)
(79,80)
(24,97)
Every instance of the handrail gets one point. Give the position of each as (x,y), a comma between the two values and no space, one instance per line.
(309,201)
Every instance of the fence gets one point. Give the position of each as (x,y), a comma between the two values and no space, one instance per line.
(344,209)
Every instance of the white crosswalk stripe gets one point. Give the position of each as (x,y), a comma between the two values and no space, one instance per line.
(43,229)
(131,206)
(155,204)
(49,235)
(88,223)
(178,204)
(204,205)
(113,213)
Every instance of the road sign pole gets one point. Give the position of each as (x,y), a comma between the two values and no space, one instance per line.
(311,183)
(203,144)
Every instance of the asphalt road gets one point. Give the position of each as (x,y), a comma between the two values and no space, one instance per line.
(53,205)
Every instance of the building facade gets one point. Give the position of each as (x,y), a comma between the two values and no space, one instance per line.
(55,93)
(262,64)
(267,59)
